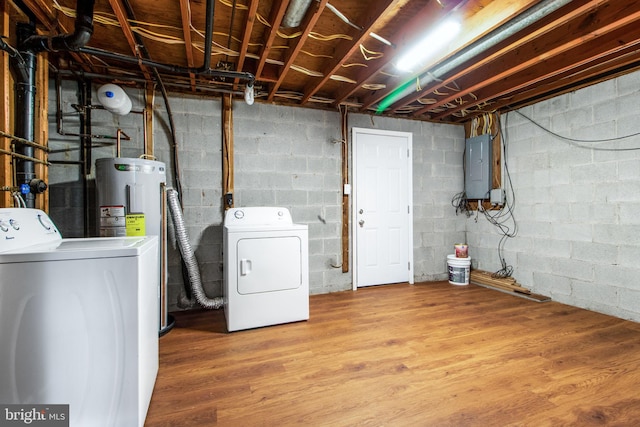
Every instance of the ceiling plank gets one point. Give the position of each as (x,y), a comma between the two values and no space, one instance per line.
(479,21)
(294,48)
(427,16)
(347,47)
(564,19)
(118,9)
(607,67)
(606,40)
(278,9)
(185,14)
(530,82)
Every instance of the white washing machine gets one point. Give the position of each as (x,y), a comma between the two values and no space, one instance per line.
(78,321)
(266,268)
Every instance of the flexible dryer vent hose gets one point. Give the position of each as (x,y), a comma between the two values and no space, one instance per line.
(187,254)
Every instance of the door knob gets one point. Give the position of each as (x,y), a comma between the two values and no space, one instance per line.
(361,211)
(361,222)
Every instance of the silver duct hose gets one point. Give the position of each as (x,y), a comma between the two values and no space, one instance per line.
(187,254)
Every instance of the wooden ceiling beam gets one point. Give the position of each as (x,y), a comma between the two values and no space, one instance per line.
(347,47)
(427,16)
(185,15)
(118,9)
(278,10)
(574,53)
(43,13)
(249,21)
(295,47)
(480,18)
(606,68)
(510,52)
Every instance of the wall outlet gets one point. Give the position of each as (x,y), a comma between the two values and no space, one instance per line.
(497,196)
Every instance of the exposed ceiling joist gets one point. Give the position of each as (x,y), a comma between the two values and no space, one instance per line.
(346,48)
(320,64)
(185,15)
(294,48)
(279,7)
(120,13)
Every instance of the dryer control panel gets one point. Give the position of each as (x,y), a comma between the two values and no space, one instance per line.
(257,216)
(24,227)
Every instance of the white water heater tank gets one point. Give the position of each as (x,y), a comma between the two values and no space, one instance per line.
(128,186)
(131,201)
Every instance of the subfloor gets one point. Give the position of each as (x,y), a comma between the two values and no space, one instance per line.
(430,354)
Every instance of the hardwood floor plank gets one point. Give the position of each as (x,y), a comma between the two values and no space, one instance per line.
(430,354)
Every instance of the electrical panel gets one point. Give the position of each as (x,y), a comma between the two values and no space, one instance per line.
(477,167)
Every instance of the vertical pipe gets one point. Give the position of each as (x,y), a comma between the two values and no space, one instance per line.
(84,89)
(208,35)
(25,88)
(118,133)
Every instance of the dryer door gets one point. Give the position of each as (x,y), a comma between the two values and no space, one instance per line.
(267,264)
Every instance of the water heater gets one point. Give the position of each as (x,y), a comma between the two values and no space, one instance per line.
(131,202)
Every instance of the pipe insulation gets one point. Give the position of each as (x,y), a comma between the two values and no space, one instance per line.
(188,255)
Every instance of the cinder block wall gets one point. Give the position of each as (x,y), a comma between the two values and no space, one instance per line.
(284,156)
(577,209)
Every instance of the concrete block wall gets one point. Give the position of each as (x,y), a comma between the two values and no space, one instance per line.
(284,156)
(577,209)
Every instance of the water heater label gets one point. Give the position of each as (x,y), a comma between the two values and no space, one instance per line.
(135,225)
(111,211)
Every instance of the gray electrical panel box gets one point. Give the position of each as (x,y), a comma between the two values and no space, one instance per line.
(477,167)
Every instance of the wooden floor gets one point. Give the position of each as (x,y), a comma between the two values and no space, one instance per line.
(431,354)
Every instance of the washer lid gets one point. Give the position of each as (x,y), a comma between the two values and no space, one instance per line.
(68,249)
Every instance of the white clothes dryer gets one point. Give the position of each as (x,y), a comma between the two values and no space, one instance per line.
(266,268)
(78,321)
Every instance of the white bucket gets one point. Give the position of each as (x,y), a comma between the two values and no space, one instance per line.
(458,269)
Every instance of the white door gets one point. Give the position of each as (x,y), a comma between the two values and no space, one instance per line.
(382,216)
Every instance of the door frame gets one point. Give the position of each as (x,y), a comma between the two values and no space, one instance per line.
(409,189)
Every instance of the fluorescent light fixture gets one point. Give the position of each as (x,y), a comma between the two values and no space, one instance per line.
(435,40)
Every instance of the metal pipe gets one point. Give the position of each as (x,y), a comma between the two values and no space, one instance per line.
(25,89)
(145,117)
(65,42)
(201,87)
(118,132)
(296,11)
(500,34)
(208,36)
(86,144)
(242,75)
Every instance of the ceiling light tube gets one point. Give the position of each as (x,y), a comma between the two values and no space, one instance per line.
(416,57)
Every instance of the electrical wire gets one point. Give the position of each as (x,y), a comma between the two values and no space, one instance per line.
(504,219)
(579,143)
